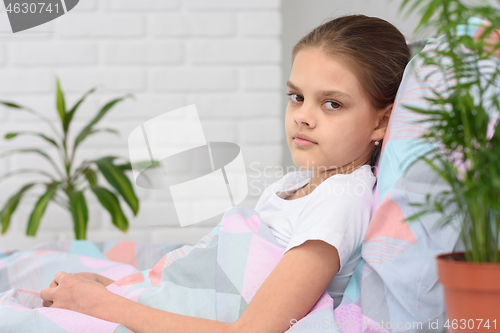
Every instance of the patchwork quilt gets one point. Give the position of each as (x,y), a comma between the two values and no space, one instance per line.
(214,279)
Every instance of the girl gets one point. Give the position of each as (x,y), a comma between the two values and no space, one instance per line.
(344,78)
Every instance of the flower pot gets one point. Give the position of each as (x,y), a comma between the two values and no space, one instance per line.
(472,293)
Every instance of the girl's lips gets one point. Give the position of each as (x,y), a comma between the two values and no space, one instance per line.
(303,143)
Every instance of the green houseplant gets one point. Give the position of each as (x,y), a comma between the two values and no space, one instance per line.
(68,182)
(469,158)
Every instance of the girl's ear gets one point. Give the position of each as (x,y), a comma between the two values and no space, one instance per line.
(382,123)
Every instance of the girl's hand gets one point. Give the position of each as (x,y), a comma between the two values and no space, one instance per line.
(89,276)
(95,277)
(74,292)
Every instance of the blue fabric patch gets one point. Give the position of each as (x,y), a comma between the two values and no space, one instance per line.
(352,289)
(86,248)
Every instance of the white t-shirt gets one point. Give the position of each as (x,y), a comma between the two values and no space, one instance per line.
(337,211)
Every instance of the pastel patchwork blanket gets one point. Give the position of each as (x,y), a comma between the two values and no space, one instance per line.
(214,279)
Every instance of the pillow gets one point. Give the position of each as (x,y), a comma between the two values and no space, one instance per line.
(417,46)
(396,283)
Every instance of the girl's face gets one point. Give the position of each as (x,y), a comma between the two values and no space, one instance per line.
(327,104)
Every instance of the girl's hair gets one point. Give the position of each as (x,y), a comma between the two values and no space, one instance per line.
(372,48)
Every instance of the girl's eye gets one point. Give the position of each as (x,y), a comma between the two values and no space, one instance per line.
(335,105)
(296,98)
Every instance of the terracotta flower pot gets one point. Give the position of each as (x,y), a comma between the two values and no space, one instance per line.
(472,293)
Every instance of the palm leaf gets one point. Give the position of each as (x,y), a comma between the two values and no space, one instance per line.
(110,202)
(39,210)
(11,205)
(80,213)
(429,11)
(116,178)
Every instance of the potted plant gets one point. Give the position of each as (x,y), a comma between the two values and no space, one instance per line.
(469,159)
(67,184)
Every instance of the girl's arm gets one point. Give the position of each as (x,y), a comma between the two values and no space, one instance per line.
(292,288)
(288,293)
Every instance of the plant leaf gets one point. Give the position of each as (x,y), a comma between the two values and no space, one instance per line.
(11,205)
(36,151)
(39,210)
(110,202)
(116,178)
(12,135)
(26,170)
(429,11)
(61,104)
(91,176)
(124,166)
(109,130)
(80,214)
(71,113)
(88,129)
(11,105)
(34,113)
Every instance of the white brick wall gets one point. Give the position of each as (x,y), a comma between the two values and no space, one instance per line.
(222,55)
(58,54)
(192,79)
(192,24)
(143,53)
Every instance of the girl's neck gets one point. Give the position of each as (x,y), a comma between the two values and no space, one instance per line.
(319,175)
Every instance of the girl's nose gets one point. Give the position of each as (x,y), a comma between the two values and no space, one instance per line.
(305,116)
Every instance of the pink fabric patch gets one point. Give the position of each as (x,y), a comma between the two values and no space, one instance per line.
(119,290)
(2,264)
(130,279)
(95,263)
(75,322)
(325,301)
(29,292)
(376,196)
(262,258)
(155,272)
(118,272)
(233,224)
(350,319)
(134,295)
(123,252)
(42,252)
(389,221)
